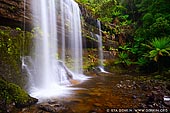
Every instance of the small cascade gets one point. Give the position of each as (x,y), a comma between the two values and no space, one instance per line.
(22,50)
(98,37)
(100,44)
(100,53)
(69,28)
(100,48)
(58,31)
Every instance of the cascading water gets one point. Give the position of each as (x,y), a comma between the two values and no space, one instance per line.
(100,44)
(72,19)
(100,48)
(56,23)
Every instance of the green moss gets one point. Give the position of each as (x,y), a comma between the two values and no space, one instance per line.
(10,93)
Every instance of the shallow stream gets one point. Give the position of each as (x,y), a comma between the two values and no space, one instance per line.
(99,94)
(105,93)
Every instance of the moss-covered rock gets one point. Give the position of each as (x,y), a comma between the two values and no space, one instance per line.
(12,95)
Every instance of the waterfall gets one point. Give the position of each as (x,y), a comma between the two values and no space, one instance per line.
(57,29)
(100,48)
(100,44)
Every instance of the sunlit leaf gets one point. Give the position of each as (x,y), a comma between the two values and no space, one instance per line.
(156,58)
(153,53)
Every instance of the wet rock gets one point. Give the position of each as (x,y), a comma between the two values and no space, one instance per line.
(134,96)
(134,83)
(129,86)
(128,81)
(150,106)
(144,87)
(121,82)
(97,104)
(54,108)
(158,96)
(96,110)
(97,70)
(74,82)
(119,86)
(150,99)
(156,88)
(6,108)
(153,98)
(76,100)
(168,87)
(68,72)
(142,105)
(30,102)
(166,101)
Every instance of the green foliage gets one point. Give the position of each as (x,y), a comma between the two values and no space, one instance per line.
(158,47)
(106,19)
(10,92)
(19,29)
(160,43)
(90,60)
(160,28)
(155,19)
(123,59)
(105,10)
(142,61)
(112,14)
(124,47)
(143,25)
(13,45)
(123,55)
(153,23)
(147,19)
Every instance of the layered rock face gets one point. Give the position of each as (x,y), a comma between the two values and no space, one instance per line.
(15,13)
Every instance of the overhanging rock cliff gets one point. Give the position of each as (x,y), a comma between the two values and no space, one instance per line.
(15,13)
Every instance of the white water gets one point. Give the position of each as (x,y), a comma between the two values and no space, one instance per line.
(100,44)
(48,75)
(100,48)
(100,53)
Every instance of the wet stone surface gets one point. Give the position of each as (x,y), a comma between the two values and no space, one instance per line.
(53,107)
